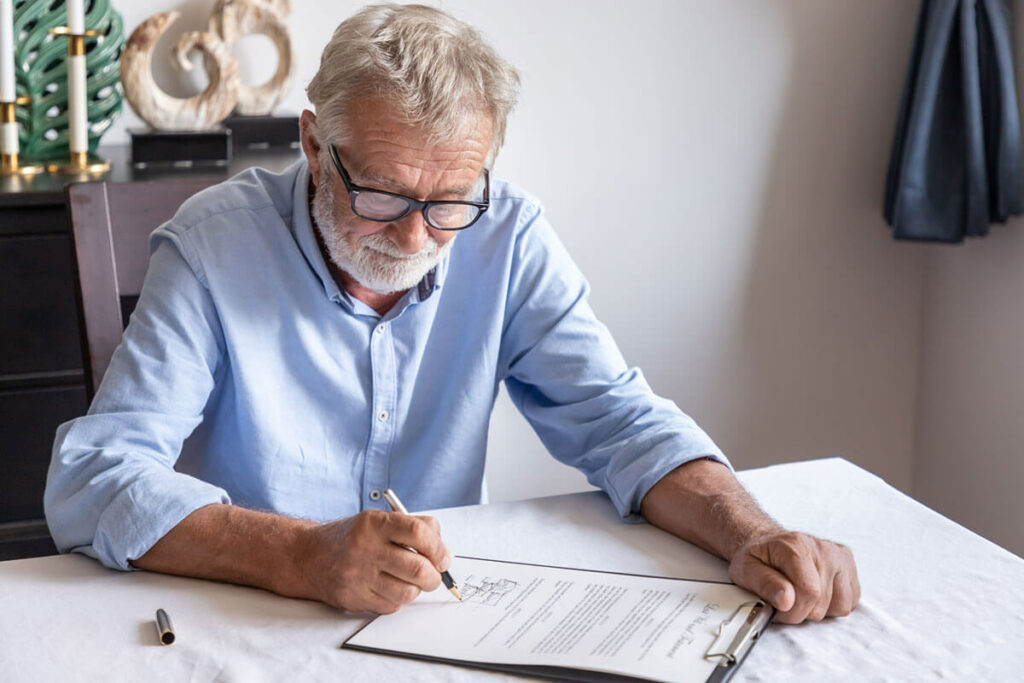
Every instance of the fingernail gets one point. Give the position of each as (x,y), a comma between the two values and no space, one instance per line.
(446,562)
(777,598)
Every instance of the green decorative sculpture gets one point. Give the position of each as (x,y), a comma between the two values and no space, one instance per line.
(41,72)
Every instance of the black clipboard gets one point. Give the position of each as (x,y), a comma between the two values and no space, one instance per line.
(730,658)
(730,655)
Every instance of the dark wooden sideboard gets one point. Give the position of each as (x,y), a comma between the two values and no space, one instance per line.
(42,383)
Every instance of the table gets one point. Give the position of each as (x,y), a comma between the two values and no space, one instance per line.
(938,603)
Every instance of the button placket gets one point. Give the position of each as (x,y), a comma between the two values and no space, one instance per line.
(383,398)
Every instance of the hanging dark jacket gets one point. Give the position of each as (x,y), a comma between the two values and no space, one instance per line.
(956,158)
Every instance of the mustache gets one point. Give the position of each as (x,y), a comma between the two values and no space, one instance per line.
(382,244)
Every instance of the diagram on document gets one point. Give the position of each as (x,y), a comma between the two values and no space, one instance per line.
(487,591)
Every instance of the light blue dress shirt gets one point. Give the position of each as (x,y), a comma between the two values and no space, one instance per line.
(247,376)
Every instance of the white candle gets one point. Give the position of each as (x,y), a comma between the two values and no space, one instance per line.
(78,131)
(76,16)
(10,139)
(6,50)
(78,135)
(9,129)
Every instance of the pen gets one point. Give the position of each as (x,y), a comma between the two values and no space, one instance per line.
(392,498)
(164,629)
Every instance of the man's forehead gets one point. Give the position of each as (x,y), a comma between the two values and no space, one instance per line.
(419,175)
(378,112)
(410,183)
(384,150)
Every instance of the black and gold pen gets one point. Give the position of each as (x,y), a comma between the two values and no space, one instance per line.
(392,498)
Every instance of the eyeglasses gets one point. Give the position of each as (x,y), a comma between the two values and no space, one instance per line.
(384,207)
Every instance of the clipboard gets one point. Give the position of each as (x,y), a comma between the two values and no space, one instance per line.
(409,634)
(731,657)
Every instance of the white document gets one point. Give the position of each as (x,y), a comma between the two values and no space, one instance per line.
(518,617)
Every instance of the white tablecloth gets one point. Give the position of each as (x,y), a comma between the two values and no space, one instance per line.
(938,603)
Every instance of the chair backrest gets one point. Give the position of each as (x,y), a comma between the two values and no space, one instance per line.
(111,223)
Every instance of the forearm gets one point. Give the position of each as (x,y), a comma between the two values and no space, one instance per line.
(233,544)
(703,503)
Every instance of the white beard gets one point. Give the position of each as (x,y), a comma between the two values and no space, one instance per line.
(376,263)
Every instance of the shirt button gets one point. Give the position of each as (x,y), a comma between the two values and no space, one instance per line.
(375,494)
(382,416)
(382,328)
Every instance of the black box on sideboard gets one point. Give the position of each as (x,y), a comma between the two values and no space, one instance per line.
(184,148)
(258,132)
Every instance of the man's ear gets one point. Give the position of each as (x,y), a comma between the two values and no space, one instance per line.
(310,144)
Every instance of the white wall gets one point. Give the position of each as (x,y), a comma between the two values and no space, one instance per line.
(969,458)
(759,288)
(766,296)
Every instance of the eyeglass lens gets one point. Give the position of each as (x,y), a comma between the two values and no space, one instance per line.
(383,207)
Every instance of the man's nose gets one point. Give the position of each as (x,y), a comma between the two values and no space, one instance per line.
(411,233)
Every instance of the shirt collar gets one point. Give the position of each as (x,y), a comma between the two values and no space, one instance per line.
(302,225)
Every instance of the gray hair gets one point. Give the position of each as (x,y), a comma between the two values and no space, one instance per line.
(436,70)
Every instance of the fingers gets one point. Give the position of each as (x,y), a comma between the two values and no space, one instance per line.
(802,576)
(422,534)
(385,597)
(365,562)
(410,568)
(791,555)
(845,586)
(767,582)
(826,582)
(384,583)
(393,593)
(413,571)
(842,597)
(855,583)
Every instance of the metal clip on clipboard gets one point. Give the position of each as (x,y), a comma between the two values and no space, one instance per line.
(757,619)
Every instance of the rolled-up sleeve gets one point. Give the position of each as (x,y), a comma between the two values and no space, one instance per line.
(566,375)
(112,491)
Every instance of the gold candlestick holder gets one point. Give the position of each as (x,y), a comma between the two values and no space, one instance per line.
(79,162)
(10,163)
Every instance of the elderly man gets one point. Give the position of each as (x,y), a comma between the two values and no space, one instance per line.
(306,340)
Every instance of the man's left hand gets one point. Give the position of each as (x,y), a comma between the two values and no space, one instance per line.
(802,576)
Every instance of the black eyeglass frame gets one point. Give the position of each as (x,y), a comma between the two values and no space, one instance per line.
(411,204)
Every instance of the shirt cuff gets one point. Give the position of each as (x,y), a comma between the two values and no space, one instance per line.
(632,483)
(143,513)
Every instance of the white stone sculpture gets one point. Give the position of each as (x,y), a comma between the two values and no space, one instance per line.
(233,19)
(165,112)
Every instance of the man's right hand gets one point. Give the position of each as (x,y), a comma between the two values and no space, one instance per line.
(363,563)
(359,563)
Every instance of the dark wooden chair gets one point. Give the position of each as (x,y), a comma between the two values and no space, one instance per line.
(111,223)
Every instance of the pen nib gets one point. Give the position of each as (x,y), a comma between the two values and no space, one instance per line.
(455,591)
